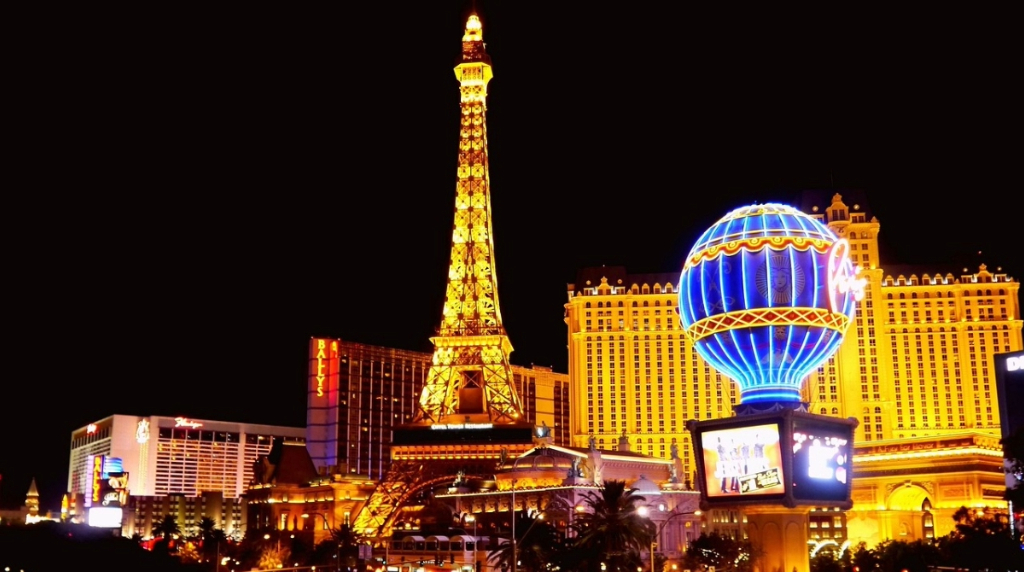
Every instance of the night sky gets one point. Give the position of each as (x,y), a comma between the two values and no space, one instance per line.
(191,196)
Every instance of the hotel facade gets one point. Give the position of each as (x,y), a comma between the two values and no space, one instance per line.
(915,370)
(175,456)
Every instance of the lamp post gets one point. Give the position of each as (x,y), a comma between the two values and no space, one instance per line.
(472,518)
(334,535)
(646,512)
(515,548)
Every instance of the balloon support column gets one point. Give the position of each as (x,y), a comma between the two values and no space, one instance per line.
(781,536)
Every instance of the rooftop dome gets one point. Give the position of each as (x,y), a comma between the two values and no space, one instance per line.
(644,486)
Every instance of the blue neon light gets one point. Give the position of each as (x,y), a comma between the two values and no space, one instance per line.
(758,281)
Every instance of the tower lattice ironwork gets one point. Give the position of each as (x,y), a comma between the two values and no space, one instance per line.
(469,386)
(470,374)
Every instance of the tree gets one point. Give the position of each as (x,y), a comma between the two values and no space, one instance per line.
(537,542)
(863,558)
(913,556)
(1013,453)
(612,532)
(167,529)
(826,561)
(212,539)
(981,539)
(721,551)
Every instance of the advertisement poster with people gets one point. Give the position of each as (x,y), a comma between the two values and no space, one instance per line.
(743,461)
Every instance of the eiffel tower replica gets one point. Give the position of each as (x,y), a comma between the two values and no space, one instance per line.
(470,417)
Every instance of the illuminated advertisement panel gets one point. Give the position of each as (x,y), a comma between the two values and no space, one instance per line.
(323,368)
(322,408)
(114,491)
(788,457)
(1009,368)
(743,461)
(94,496)
(105,516)
(822,460)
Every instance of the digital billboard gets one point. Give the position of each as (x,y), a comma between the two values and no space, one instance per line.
(743,461)
(789,457)
(105,516)
(1009,368)
(822,460)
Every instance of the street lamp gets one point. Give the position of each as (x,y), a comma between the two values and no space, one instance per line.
(515,548)
(472,518)
(646,512)
(334,535)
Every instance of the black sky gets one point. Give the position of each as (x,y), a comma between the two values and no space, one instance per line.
(191,196)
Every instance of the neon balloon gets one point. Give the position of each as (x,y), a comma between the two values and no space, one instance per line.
(765,296)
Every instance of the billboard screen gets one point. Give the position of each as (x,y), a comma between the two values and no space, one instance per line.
(1009,369)
(105,516)
(789,457)
(822,460)
(743,461)
(115,490)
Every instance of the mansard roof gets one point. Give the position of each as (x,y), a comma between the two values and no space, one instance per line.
(907,271)
(618,277)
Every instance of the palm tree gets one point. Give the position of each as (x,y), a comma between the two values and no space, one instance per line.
(206,528)
(612,531)
(537,542)
(211,537)
(168,527)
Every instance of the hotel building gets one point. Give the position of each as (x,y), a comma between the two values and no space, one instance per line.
(175,456)
(356,393)
(916,371)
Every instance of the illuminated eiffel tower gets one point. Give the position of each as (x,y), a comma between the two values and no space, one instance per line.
(470,416)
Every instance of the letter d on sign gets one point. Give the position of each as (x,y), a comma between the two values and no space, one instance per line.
(1014,363)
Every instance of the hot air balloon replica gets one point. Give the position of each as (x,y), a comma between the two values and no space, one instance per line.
(765,297)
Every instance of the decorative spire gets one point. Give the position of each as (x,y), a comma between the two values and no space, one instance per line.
(32,499)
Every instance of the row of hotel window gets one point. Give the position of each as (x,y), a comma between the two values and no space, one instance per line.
(188,434)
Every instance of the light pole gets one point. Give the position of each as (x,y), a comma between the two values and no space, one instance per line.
(646,512)
(472,518)
(334,535)
(515,551)
(515,548)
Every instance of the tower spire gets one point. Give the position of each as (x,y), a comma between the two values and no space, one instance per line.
(32,499)
(471,377)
